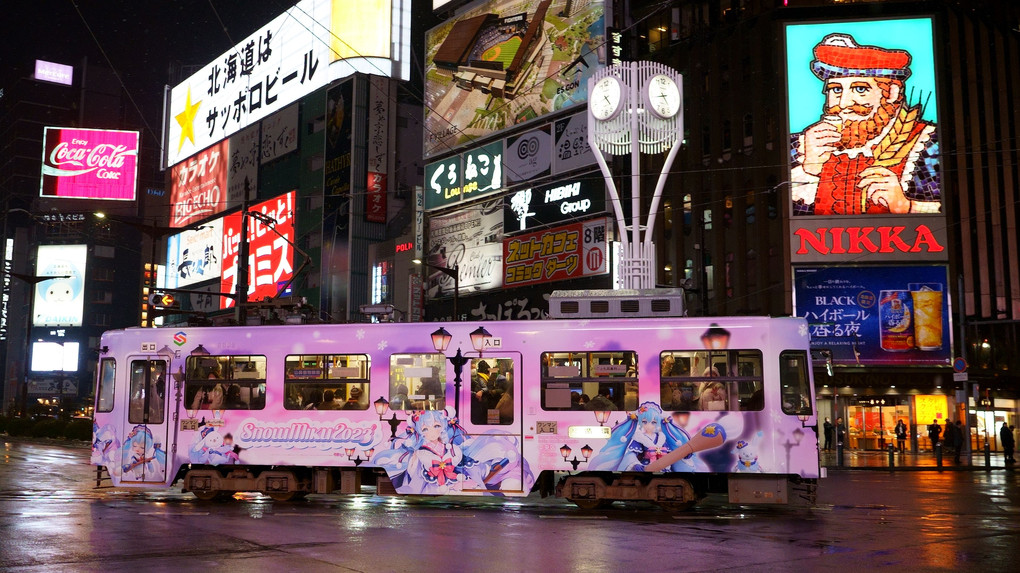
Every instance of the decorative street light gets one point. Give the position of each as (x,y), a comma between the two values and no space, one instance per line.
(716,337)
(479,338)
(602,416)
(382,405)
(441,341)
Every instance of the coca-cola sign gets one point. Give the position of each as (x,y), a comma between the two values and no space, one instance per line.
(89,164)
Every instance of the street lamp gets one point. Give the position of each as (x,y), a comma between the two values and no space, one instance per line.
(453,273)
(441,341)
(479,338)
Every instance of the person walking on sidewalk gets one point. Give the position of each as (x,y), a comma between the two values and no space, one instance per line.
(901,435)
(829,429)
(1008,443)
(840,433)
(934,433)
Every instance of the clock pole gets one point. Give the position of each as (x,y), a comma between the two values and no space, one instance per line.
(648,119)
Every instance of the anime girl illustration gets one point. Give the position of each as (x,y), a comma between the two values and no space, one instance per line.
(143,459)
(106,448)
(642,438)
(436,457)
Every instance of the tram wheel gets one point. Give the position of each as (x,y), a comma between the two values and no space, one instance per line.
(676,506)
(208,494)
(286,495)
(592,503)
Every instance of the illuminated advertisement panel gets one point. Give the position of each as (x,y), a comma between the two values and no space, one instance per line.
(89,164)
(470,175)
(877,316)
(194,255)
(283,61)
(560,253)
(270,255)
(59,301)
(198,186)
(554,203)
(54,357)
(572,149)
(528,156)
(54,73)
(500,63)
(470,239)
(863,107)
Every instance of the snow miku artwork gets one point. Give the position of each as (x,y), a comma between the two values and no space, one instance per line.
(106,447)
(213,448)
(142,457)
(747,455)
(648,440)
(436,456)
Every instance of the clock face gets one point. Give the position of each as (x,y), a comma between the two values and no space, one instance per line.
(663,96)
(604,99)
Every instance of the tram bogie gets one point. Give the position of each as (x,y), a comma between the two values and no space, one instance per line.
(656,410)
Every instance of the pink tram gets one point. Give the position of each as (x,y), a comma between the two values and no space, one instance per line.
(593,410)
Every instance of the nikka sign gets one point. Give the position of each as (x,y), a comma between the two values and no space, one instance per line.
(89,163)
(871,239)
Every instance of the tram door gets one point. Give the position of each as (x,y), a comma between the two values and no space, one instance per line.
(143,457)
(494,407)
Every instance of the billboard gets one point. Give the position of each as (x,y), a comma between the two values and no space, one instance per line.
(528,156)
(470,239)
(54,357)
(572,148)
(59,301)
(54,73)
(270,254)
(198,186)
(89,164)
(555,203)
(470,175)
(283,61)
(863,117)
(877,315)
(194,255)
(500,63)
(560,253)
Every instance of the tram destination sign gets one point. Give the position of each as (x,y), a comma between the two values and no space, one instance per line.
(533,207)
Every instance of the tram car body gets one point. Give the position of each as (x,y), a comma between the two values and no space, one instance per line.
(593,410)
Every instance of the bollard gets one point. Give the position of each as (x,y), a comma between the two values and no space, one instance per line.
(892,457)
(938,454)
(988,455)
(839,453)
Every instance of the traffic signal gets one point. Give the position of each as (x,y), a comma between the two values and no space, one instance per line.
(163,300)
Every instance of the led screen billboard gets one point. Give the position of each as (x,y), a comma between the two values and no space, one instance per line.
(270,254)
(877,316)
(500,63)
(59,301)
(89,164)
(309,46)
(54,356)
(863,117)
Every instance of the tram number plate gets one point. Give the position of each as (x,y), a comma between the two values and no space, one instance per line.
(545,427)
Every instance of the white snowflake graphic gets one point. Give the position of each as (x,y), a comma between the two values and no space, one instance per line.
(802,330)
(360,334)
(589,344)
(383,344)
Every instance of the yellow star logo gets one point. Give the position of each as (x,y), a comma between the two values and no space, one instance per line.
(187,120)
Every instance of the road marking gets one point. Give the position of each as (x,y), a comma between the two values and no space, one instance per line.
(572,517)
(173,514)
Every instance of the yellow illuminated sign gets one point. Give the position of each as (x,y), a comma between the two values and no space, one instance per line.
(928,408)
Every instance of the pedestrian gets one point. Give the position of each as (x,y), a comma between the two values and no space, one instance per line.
(901,435)
(934,433)
(954,440)
(829,430)
(840,433)
(1008,443)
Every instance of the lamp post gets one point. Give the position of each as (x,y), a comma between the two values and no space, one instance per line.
(441,341)
(450,272)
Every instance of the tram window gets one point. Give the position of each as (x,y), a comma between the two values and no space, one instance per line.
(225,383)
(147,392)
(711,380)
(107,377)
(793,375)
(417,381)
(492,390)
(602,380)
(326,382)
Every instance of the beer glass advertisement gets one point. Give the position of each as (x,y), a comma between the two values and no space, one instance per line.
(877,316)
(863,118)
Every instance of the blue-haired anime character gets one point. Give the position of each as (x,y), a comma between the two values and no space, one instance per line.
(436,456)
(143,459)
(642,438)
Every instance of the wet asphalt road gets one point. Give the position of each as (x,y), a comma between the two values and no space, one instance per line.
(52,518)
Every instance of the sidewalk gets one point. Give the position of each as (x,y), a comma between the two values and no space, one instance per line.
(876,460)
